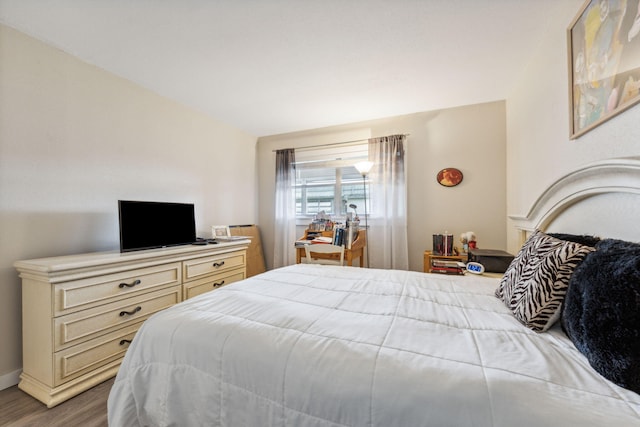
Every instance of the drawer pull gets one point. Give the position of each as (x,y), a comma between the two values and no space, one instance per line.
(218,264)
(130,285)
(123,342)
(216,284)
(132,312)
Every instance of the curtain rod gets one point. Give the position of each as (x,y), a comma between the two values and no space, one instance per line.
(310,147)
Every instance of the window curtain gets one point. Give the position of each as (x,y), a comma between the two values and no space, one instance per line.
(387,237)
(285,209)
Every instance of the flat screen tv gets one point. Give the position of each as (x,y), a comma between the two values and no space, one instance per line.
(147,225)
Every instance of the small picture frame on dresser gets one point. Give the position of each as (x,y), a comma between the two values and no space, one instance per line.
(220,231)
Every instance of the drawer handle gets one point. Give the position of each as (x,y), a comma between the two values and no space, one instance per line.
(123,342)
(216,284)
(131,285)
(132,312)
(218,264)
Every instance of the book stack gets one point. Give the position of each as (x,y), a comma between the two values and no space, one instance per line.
(322,239)
(345,236)
(338,236)
(447,267)
(312,240)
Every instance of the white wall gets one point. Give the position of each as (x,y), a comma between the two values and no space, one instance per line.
(75,139)
(539,150)
(471,138)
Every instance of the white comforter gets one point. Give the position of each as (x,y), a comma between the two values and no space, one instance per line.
(312,345)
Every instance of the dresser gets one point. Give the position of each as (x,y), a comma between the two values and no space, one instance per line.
(81,312)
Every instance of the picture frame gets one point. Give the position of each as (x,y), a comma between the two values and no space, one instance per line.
(220,232)
(449,177)
(603,62)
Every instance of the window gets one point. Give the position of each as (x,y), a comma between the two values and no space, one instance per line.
(327,181)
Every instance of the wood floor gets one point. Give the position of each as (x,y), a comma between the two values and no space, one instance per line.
(88,409)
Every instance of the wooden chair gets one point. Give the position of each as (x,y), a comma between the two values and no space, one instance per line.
(329,254)
(355,253)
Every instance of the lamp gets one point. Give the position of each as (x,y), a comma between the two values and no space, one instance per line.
(364,168)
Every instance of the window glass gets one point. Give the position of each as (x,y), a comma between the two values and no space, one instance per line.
(329,184)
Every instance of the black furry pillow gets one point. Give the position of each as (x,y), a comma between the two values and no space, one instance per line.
(583,239)
(601,312)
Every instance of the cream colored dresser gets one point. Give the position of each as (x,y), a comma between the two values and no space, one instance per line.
(80,312)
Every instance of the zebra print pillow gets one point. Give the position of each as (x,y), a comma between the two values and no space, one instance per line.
(536,282)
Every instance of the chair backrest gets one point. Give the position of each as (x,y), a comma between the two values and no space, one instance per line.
(324,250)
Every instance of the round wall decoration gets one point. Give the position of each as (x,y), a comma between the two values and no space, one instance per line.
(449,177)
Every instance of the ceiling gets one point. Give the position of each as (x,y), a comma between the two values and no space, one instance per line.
(275,66)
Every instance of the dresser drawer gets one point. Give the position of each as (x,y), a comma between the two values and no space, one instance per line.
(86,324)
(93,354)
(210,283)
(94,291)
(197,268)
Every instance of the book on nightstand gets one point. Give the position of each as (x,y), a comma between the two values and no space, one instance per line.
(447,267)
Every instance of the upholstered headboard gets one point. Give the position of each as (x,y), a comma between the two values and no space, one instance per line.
(601,198)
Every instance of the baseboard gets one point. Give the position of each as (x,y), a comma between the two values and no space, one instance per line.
(10,379)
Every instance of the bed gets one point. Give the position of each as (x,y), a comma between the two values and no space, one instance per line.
(315,345)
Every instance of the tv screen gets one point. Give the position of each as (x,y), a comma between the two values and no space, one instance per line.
(146,225)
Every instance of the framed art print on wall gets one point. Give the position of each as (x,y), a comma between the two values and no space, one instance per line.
(449,177)
(604,62)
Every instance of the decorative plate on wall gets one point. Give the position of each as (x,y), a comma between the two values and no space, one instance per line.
(449,177)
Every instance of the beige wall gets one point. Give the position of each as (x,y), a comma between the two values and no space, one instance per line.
(75,139)
(539,150)
(471,138)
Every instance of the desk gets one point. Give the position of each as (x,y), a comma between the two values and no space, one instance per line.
(356,251)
